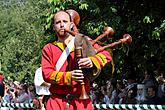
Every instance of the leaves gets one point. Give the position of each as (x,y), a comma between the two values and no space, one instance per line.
(21,32)
(26,26)
(147,19)
(83,6)
(158,31)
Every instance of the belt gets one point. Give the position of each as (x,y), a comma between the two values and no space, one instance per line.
(69,98)
(66,96)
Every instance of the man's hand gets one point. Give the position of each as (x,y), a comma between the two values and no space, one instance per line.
(77,75)
(85,63)
(45,84)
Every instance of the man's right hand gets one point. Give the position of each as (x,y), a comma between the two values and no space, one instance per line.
(77,75)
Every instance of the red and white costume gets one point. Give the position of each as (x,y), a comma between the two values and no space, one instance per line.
(61,82)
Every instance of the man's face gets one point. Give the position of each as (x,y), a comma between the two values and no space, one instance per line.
(61,22)
(140,91)
(151,92)
(130,92)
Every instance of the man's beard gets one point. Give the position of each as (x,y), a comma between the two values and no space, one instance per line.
(61,32)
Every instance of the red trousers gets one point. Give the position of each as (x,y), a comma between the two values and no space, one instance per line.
(58,103)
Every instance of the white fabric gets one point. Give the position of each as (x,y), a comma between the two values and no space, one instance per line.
(163,87)
(65,54)
(38,80)
(140,86)
(106,99)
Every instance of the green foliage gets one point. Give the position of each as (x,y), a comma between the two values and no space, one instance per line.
(145,24)
(26,26)
(147,20)
(156,33)
(21,33)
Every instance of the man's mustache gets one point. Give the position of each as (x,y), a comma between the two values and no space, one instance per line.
(61,30)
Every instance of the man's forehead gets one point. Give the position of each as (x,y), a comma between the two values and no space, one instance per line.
(61,14)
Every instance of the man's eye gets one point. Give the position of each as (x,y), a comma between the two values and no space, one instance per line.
(57,22)
(65,21)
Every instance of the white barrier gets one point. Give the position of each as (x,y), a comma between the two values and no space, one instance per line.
(96,106)
(17,105)
(129,106)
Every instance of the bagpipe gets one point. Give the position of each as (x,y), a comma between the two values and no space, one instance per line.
(84,44)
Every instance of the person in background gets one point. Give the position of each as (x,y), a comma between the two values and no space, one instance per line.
(161,87)
(42,87)
(22,95)
(31,92)
(152,97)
(8,96)
(140,98)
(131,94)
(2,86)
(110,87)
(104,92)
(128,91)
(120,89)
(114,95)
(66,80)
(131,79)
(149,80)
(22,92)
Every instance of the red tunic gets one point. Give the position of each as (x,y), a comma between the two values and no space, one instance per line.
(61,82)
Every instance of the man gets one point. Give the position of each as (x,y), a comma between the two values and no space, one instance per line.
(140,93)
(152,96)
(161,87)
(66,79)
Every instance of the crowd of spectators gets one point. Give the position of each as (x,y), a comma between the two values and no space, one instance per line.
(116,91)
(16,92)
(150,90)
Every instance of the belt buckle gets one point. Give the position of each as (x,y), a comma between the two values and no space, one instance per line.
(67,96)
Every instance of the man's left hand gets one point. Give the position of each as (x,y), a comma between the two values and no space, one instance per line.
(85,63)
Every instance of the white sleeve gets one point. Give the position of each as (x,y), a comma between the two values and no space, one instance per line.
(38,78)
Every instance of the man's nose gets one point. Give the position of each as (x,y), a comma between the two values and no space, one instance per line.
(62,24)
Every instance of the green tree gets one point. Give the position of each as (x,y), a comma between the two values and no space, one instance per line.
(21,38)
(26,26)
(143,20)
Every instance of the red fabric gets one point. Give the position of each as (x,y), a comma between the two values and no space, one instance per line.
(56,103)
(50,55)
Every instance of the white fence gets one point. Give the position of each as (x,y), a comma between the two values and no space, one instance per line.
(96,106)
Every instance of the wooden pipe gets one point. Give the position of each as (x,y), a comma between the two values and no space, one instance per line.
(126,38)
(106,31)
(78,48)
(83,48)
(75,17)
(78,55)
(78,51)
(73,33)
